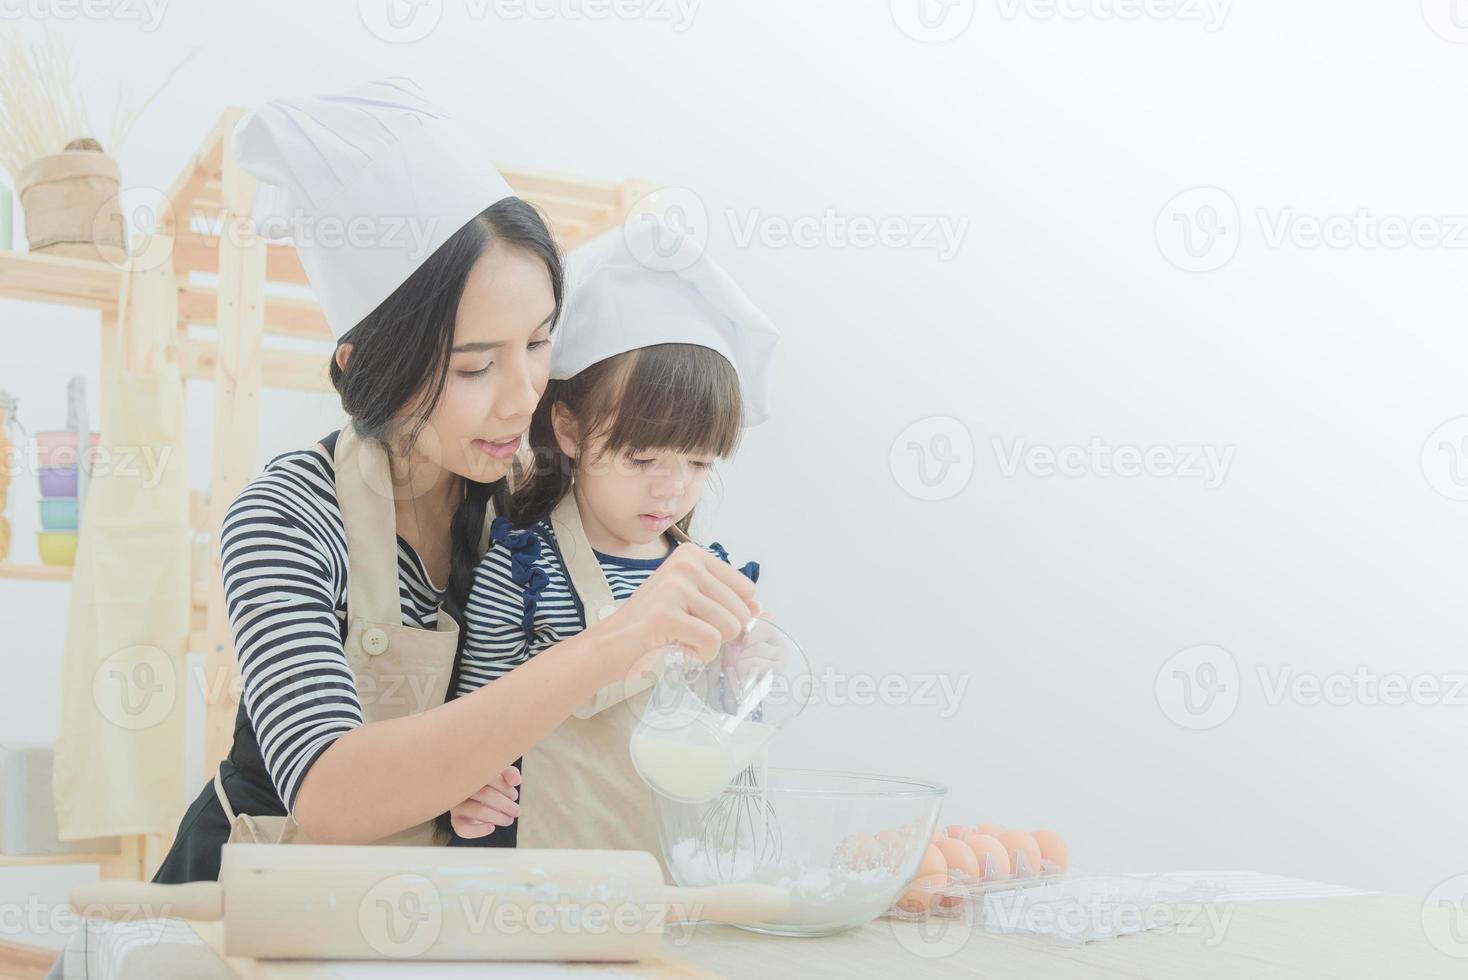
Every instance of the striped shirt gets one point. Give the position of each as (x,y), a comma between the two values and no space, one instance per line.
(522,601)
(285,581)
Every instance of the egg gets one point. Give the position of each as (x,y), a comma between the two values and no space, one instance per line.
(1024,852)
(963,867)
(939,835)
(933,863)
(959,857)
(992,829)
(957,830)
(859,852)
(992,857)
(1052,848)
(922,893)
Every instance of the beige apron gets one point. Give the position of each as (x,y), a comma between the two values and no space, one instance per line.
(580,787)
(396,667)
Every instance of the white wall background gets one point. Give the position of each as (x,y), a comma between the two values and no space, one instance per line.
(1056,143)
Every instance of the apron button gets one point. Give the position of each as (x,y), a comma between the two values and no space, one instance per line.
(374,642)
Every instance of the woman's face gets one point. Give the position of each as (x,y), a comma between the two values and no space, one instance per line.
(497,369)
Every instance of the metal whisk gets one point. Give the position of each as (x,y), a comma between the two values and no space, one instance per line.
(739,834)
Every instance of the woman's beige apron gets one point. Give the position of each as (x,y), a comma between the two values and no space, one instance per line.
(580,787)
(399,670)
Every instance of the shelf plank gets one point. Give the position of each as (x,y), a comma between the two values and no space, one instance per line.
(42,860)
(35,573)
(57,279)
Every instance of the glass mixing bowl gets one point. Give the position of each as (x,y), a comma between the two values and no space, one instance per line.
(844,844)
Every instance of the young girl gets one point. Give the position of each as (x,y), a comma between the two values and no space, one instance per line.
(660,362)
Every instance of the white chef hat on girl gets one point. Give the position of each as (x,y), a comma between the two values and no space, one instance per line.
(368,184)
(647,283)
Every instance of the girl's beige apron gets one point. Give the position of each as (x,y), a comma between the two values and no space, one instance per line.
(399,670)
(580,787)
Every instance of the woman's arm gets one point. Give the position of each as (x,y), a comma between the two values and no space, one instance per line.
(378,779)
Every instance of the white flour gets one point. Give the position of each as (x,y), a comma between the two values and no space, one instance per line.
(818,895)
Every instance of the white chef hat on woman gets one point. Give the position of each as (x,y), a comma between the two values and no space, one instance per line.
(647,283)
(368,184)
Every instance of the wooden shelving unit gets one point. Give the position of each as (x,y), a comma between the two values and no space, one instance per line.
(222,326)
(35,573)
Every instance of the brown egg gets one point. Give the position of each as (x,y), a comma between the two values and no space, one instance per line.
(992,829)
(957,830)
(963,867)
(1020,844)
(992,857)
(1052,848)
(922,893)
(933,863)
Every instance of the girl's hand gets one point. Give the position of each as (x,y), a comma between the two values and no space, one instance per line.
(693,600)
(493,806)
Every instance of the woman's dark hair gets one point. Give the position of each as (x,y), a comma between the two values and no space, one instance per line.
(680,398)
(400,362)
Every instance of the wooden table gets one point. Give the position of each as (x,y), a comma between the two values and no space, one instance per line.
(1363,937)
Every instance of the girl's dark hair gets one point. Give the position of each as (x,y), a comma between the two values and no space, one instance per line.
(400,362)
(680,398)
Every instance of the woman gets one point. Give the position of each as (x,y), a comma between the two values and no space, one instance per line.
(333,556)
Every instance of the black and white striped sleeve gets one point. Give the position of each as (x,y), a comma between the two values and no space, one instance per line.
(495,640)
(283,565)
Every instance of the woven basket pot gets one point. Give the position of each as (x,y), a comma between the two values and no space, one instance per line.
(71,205)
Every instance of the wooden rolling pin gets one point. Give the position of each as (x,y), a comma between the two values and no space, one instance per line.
(317,902)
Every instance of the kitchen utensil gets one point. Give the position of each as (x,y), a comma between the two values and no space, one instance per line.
(316,902)
(58,513)
(57,447)
(58,481)
(705,723)
(56,547)
(740,832)
(850,843)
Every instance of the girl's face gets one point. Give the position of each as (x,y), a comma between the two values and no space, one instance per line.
(498,367)
(633,497)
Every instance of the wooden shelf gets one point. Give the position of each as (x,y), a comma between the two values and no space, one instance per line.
(35,573)
(55,279)
(46,860)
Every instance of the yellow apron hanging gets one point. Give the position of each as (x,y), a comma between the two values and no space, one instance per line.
(580,787)
(117,756)
(395,667)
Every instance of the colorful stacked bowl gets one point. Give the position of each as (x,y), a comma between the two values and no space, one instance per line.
(57,455)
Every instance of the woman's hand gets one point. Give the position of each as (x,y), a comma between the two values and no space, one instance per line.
(493,806)
(693,600)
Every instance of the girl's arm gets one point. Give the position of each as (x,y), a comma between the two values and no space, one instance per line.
(378,779)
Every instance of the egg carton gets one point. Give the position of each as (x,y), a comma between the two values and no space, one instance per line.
(1064,907)
(952,897)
